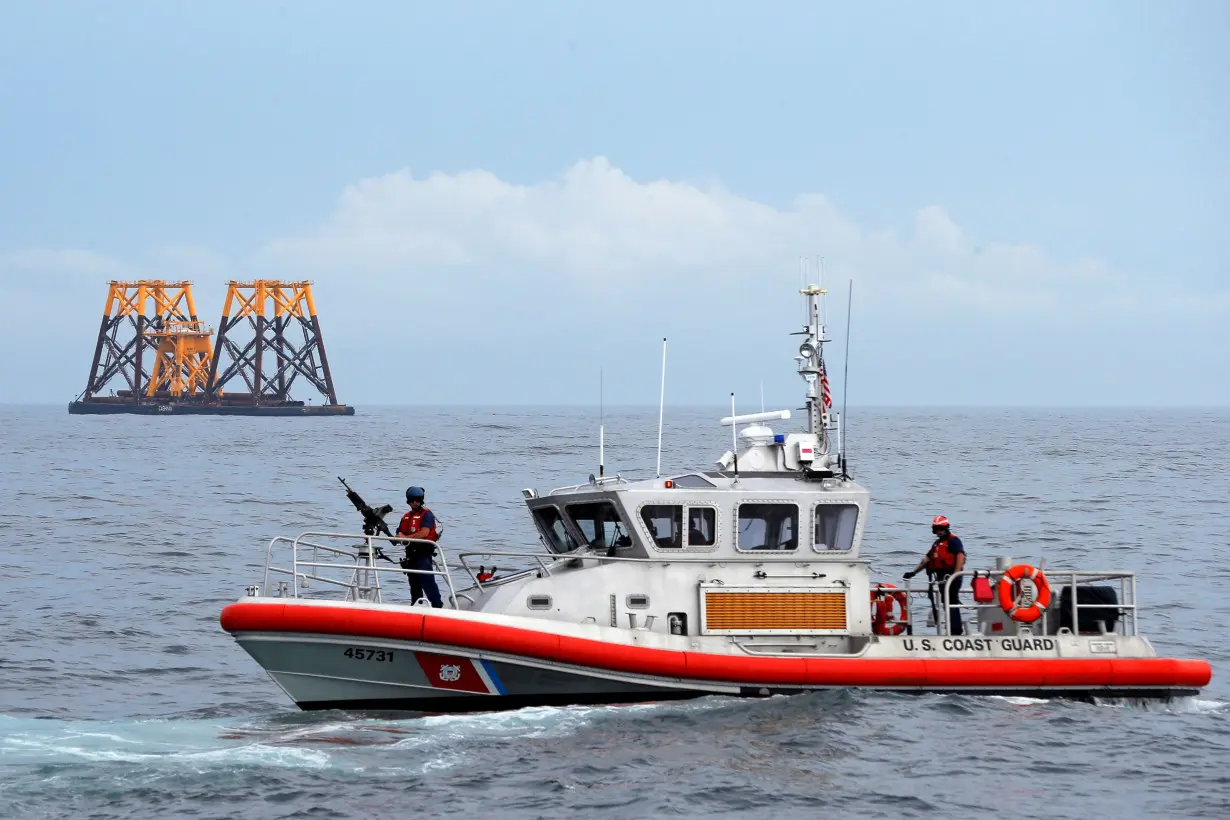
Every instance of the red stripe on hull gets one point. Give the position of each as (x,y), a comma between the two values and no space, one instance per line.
(929,673)
(451,672)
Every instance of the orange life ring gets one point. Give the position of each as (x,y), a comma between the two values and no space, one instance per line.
(883,622)
(1007,593)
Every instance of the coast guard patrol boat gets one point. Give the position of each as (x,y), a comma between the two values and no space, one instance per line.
(743,579)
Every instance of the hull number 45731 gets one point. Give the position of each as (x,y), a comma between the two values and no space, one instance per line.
(378,655)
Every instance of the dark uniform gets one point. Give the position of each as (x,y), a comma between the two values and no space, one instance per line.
(418,556)
(942,561)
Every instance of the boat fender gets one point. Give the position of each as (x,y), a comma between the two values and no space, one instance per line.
(1009,588)
(884,597)
(983,594)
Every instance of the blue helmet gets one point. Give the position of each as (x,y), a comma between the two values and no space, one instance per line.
(415,492)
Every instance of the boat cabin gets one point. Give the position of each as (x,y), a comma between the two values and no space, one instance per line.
(755,519)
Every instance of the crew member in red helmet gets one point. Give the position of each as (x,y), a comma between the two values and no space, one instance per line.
(945,558)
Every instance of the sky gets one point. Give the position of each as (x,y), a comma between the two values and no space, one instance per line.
(499,201)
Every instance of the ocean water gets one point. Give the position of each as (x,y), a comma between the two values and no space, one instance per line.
(121,538)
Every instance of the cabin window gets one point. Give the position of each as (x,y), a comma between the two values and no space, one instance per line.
(600,523)
(538,602)
(768,527)
(551,525)
(702,526)
(835,526)
(665,524)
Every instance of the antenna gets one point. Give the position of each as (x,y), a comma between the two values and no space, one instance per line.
(824,303)
(601,426)
(761,397)
(803,265)
(845,381)
(661,405)
(734,439)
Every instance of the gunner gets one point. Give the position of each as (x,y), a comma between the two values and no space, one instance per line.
(946,557)
(420,523)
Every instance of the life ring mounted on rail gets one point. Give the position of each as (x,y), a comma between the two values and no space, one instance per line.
(1008,597)
(884,598)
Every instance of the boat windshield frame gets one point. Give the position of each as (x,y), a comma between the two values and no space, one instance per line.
(547,529)
(577,540)
(622,534)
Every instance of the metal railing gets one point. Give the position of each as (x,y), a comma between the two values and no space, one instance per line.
(548,562)
(354,566)
(935,599)
(352,563)
(597,483)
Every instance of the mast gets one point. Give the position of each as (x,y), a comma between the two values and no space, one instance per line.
(812,369)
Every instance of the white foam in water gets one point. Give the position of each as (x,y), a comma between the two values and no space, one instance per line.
(528,723)
(202,745)
(532,718)
(192,743)
(1018,700)
(1195,706)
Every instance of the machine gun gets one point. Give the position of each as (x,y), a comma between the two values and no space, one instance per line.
(373,519)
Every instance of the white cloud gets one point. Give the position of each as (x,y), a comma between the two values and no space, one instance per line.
(398,262)
(595,220)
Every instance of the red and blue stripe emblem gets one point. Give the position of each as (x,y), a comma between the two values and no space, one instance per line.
(460,674)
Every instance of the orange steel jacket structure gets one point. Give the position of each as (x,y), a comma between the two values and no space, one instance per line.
(154,348)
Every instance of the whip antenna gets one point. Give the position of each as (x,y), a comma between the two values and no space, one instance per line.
(734,439)
(661,405)
(601,426)
(845,381)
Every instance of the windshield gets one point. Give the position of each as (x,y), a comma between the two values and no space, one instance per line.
(551,525)
(600,523)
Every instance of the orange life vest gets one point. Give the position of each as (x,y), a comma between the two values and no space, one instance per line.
(939,559)
(410,522)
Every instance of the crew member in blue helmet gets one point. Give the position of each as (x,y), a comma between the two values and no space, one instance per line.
(420,523)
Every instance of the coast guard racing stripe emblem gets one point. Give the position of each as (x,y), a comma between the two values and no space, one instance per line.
(458,674)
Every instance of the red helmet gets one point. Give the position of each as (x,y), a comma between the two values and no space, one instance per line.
(939,521)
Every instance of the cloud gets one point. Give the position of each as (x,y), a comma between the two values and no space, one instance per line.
(594,267)
(595,221)
(594,225)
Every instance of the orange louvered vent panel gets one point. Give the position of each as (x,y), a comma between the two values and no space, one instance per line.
(738,611)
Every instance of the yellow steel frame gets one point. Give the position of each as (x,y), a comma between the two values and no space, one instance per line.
(255,298)
(181,360)
(131,298)
(182,350)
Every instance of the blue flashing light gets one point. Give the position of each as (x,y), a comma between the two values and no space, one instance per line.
(779,439)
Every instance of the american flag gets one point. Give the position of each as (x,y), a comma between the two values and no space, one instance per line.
(826,395)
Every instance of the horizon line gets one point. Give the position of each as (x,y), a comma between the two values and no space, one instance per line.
(697,406)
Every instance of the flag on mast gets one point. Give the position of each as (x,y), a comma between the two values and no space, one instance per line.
(826,395)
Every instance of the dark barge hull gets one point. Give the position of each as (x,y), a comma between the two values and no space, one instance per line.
(99,408)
